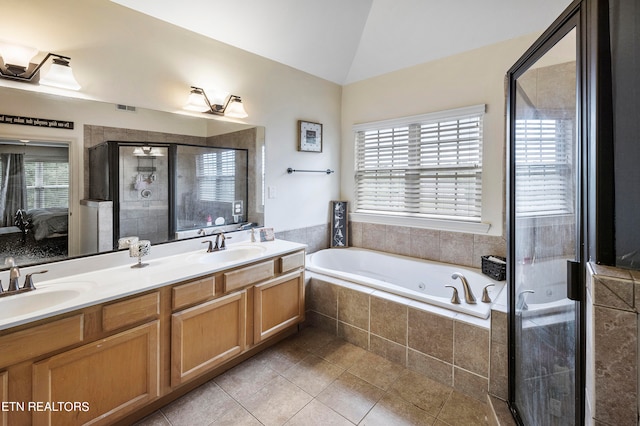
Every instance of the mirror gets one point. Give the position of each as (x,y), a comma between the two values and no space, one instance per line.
(34,200)
(95,123)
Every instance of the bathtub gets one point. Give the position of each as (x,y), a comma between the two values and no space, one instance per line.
(416,279)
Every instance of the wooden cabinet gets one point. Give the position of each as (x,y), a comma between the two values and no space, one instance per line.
(108,362)
(105,379)
(278,304)
(4,396)
(207,335)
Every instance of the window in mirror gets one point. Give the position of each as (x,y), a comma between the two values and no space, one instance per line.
(211,187)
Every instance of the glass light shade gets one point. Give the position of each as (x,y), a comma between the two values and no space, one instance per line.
(196,102)
(16,54)
(235,108)
(60,75)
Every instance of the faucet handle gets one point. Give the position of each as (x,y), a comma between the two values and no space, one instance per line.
(454,298)
(28,280)
(485,293)
(210,249)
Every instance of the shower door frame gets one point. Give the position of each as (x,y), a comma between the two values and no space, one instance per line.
(596,229)
(574,16)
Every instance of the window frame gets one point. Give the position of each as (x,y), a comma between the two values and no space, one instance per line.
(39,187)
(422,220)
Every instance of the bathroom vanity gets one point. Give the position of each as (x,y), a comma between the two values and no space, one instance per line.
(141,338)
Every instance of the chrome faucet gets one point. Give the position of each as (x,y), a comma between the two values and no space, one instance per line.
(521,303)
(220,239)
(14,274)
(468,294)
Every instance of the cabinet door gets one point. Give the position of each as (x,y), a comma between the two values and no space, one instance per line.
(278,304)
(206,335)
(99,382)
(4,395)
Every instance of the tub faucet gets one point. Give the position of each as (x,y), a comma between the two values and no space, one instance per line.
(521,303)
(468,294)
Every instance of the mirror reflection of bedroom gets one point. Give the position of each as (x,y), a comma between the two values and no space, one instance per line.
(34,200)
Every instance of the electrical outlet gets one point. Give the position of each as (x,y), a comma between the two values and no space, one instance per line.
(271,192)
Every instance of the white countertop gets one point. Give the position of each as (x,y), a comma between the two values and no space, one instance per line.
(102,278)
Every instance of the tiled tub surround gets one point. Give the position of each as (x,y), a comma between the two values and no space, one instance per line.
(613,308)
(450,348)
(443,246)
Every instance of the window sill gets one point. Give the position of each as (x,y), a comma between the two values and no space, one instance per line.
(419,222)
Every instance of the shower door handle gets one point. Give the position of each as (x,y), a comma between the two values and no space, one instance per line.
(575,281)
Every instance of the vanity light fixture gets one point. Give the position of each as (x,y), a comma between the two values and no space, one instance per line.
(17,66)
(198,101)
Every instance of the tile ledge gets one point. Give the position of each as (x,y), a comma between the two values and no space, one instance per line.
(499,413)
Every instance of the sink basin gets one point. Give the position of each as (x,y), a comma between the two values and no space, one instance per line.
(231,254)
(40,299)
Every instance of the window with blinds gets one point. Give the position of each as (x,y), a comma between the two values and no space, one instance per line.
(47,183)
(425,166)
(215,172)
(544,167)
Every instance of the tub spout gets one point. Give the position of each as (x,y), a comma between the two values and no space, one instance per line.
(468,294)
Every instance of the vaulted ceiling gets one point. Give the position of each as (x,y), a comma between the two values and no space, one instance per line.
(345,41)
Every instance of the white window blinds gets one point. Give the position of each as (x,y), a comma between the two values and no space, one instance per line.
(424,166)
(47,183)
(544,164)
(215,172)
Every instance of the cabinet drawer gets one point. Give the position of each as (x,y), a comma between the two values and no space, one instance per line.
(39,340)
(131,311)
(194,292)
(246,276)
(292,261)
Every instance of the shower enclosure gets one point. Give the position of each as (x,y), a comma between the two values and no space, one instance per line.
(559,190)
(161,190)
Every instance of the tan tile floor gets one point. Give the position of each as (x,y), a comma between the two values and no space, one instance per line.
(314,378)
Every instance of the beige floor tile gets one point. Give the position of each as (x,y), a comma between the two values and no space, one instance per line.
(246,378)
(341,353)
(236,416)
(155,419)
(392,410)
(317,414)
(350,396)
(313,374)
(462,410)
(277,402)
(199,407)
(376,370)
(282,356)
(421,391)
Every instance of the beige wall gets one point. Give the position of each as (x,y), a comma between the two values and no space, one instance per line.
(471,78)
(121,56)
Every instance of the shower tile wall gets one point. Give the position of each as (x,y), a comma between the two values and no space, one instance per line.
(145,215)
(613,314)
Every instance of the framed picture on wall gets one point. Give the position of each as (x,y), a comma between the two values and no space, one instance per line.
(339,224)
(309,136)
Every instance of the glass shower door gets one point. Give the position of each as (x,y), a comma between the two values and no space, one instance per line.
(544,237)
(143,193)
